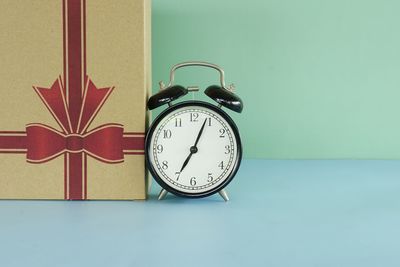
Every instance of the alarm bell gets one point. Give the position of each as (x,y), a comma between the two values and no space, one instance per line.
(166,95)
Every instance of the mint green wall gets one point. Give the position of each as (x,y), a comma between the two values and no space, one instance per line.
(319,79)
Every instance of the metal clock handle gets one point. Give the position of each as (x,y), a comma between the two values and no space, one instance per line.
(198,64)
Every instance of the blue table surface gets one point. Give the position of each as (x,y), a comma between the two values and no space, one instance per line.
(281,213)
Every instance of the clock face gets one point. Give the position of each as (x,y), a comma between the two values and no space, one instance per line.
(193,149)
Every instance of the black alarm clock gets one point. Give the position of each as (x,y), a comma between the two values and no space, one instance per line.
(193,148)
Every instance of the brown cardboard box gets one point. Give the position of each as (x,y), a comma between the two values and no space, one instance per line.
(74,80)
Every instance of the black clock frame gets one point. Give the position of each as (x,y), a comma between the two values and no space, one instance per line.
(150,133)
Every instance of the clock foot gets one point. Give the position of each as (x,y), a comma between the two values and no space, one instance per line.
(162,194)
(224,195)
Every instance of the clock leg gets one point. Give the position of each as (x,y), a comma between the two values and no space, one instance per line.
(224,194)
(162,194)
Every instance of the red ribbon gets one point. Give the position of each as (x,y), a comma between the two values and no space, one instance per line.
(73,105)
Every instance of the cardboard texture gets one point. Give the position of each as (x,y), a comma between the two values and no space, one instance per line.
(75,76)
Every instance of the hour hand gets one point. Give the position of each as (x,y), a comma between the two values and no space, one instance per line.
(193,150)
(186,162)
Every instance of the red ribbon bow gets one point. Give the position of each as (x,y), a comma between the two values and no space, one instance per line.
(45,143)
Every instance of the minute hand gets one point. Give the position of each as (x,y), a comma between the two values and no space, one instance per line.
(201,131)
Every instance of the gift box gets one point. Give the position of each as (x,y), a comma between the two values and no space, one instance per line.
(75,76)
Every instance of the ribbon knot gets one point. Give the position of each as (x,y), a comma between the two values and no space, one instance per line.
(74,143)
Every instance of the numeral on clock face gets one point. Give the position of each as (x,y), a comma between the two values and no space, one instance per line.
(165,164)
(194,117)
(160,148)
(193,149)
(178,122)
(222,132)
(167,134)
(221,165)
(210,177)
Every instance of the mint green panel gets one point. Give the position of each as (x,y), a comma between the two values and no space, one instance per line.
(319,79)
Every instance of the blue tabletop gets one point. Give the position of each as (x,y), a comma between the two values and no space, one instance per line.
(281,213)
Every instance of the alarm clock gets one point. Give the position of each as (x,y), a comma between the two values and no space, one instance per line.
(193,148)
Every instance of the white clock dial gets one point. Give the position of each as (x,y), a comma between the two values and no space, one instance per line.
(187,166)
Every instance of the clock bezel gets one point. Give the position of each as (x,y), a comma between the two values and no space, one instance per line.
(165,113)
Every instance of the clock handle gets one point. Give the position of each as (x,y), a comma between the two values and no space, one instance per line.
(199,64)
(170,92)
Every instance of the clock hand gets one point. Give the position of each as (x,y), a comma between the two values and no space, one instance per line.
(201,131)
(186,161)
(193,149)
